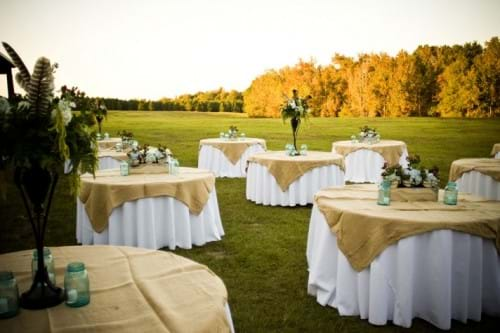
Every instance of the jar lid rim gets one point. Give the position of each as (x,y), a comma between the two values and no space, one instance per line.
(46,251)
(75,266)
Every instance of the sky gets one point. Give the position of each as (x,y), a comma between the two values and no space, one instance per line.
(164,48)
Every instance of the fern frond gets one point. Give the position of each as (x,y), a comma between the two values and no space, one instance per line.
(23,77)
(41,86)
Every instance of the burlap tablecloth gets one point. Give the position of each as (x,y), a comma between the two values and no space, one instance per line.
(131,290)
(120,156)
(108,143)
(495,149)
(287,169)
(391,150)
(233,149)
(486,166)
(110,190)
(364,229)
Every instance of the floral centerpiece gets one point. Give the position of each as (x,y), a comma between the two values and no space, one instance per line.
(367,134)
(99,110)
(412,176)
(231,134)
(295,109)
(148,154)
(43,133)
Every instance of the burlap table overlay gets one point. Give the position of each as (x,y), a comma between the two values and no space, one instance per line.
(117,155)
(287,169)
(364,229)
(391,150)
(486,166)
(233,149)
(108,143)
(110,190)
(132,290)
(495,149)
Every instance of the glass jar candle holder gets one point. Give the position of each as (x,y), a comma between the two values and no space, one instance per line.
(48,261)
(173,167)
(384,193)
(450,194)
(106,136)
(124,168)
(243,136)
(76,285)
(303,150)
(9,295)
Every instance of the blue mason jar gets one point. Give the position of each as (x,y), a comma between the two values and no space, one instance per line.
(76,285)
(451,194)
(9,295)
(48,261)
(384,193)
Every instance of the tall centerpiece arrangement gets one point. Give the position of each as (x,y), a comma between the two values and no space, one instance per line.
(43,133)
(295,109)
(99,110)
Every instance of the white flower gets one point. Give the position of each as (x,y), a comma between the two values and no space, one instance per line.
(292,103)
(64,108)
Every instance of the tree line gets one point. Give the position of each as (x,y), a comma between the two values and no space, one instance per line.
(445,81)
(438,81)
(210,101)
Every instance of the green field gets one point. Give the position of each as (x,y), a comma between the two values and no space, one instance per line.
(261,258)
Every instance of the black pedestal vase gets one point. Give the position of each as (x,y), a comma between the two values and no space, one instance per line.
(37,186)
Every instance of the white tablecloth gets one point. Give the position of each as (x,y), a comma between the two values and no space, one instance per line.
(365,165)
(107,162)
(436,276)
(154,223)
(262,187)
(214,160)
(479,184)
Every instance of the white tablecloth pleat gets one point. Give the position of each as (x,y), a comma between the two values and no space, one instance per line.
(262,187)
(154,223)
(437,276)
(214,160)
(107,162)
(365,165)
(479,184)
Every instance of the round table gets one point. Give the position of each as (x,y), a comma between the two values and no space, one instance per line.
(495,151)
(108,143)
(228,158)
(277,179)
(480,176)
(131,290)
(430,267)
(364,162)
(149,209)
(111,159)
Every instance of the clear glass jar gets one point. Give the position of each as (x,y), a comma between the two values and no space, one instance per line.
(76,285)
(124,168)
(384,193)
(173,167)
(450,194)
(9,295)
(303,149)
(48,261)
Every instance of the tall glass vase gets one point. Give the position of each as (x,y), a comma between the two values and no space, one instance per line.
(37,186)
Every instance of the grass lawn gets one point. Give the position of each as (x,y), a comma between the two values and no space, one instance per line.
(261,258)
